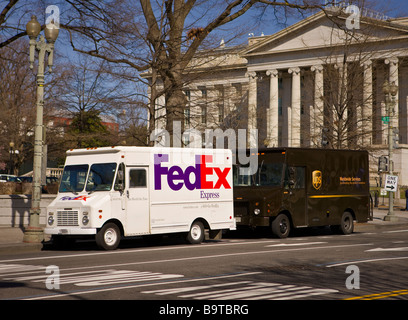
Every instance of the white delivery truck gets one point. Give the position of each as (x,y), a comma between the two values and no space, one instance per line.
(112,192)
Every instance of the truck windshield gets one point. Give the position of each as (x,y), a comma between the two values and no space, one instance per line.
(73,178)
(268,174)
(101,177)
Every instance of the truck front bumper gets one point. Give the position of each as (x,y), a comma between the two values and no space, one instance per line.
(70,231)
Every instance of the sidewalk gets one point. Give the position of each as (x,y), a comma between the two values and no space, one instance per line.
(11,239)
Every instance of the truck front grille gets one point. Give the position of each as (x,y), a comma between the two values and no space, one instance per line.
(67,218)
(241,209)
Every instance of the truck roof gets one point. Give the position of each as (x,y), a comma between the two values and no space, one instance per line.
(281,149)
(116,149)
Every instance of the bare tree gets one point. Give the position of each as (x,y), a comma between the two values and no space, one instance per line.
(86,93)
(160,36)
(163,39)
(17,101)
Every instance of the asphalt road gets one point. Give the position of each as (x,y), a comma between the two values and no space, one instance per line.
(314,265)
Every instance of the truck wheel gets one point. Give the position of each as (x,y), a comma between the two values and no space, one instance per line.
(281,226)
(346,223)
(196,233)
(108,237)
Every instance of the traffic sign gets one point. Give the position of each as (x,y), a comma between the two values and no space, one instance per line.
(391,183)
(385,119)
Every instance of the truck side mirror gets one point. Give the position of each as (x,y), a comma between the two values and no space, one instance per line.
(120,178)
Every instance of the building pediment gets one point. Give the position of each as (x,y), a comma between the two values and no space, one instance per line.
(323,30)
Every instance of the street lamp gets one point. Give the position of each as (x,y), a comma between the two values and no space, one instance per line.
(390,91)
(34,233)
(11,170)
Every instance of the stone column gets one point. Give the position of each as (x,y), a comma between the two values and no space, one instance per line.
(273,113)
(316,122)
(294,125)
(393,77)
(252,107)
(340,113)
(365,125)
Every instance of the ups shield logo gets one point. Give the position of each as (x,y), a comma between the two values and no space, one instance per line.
(317,179)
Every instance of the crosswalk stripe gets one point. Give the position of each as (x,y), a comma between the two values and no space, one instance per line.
(246,290)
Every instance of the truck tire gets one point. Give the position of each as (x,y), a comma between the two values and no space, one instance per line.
(108,237)
(281,226)
(196,233)
(346,223)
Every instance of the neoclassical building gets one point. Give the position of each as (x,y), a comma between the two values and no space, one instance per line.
(314,84)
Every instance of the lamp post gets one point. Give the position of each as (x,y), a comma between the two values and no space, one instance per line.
(34,233)
(390,91)
(11,170)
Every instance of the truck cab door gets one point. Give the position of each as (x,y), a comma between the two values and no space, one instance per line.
(295,191)
(137,201)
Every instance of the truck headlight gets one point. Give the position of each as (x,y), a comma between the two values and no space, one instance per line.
(257,211)
(85,220)
(50,220)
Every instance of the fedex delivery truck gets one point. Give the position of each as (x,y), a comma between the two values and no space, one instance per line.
(115,192)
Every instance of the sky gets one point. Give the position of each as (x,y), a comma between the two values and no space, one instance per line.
(251,24)
(268,26)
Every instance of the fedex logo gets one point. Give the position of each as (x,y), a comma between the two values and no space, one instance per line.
(75,198)
(193,177)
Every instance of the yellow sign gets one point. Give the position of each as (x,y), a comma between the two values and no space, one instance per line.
(317,179)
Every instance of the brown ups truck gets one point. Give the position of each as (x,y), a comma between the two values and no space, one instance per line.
(294,188)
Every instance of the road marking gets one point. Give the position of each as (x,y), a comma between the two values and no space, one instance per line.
(359,261)
(387,249)
(100,278)
(127,286)
(395,231)
(178,290)
(18,268)
(217,255)
(293,244)
(204,245)
(381,295)
(246,290)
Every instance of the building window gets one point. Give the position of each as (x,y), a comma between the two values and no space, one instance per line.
(187,116)
(204,114)
(279,106)
(203,92)
(280,83)
(221,113)
(188,94)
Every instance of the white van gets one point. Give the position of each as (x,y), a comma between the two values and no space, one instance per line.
(112,192)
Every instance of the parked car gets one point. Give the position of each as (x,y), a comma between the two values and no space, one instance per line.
(9,178)
(50,187)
